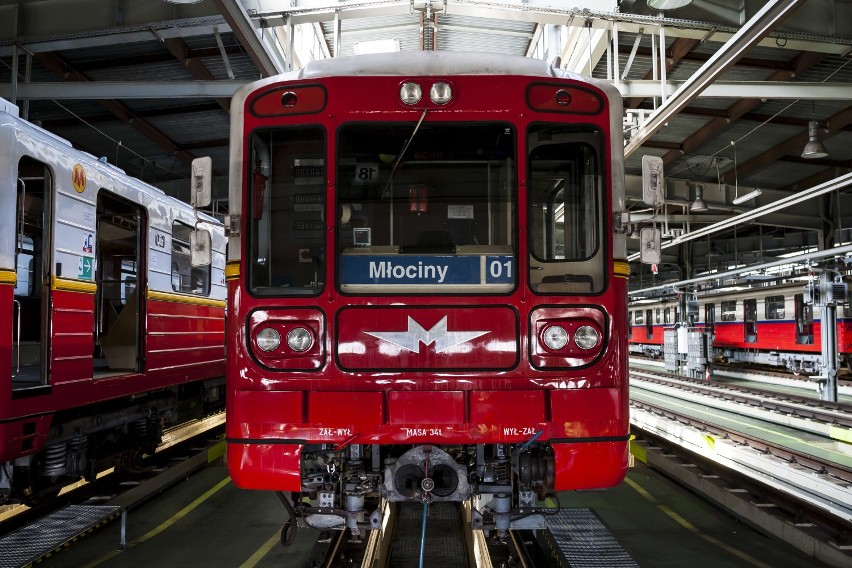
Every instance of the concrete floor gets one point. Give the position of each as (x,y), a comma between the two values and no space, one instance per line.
(206,521)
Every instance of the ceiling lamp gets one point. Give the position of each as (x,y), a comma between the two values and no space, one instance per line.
(668,4)
(698,205)
(814,148)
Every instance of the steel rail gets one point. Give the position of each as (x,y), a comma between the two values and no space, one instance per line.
(826,412)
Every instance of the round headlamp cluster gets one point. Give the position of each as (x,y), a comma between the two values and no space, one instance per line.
(299,339)
(440,93)
(555,337)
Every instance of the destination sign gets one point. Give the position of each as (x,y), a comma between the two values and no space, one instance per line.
(426,269)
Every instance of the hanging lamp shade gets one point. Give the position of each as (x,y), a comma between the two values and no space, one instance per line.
(814,148)
(698,205)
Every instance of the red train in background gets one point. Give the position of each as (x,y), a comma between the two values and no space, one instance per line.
(427,290)
(109,334)
(767,325)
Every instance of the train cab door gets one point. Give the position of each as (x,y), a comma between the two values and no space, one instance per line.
(804,314)
(649,323)
(750,320)
(32,295)
(119,303)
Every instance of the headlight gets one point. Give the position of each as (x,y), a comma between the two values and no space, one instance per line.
(268,339)
(441,93)
(586,337)
(299,339)
(410,93)
(555,337)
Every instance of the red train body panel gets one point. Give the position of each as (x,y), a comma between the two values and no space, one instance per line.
(785,331)
(424,318)
(110,334)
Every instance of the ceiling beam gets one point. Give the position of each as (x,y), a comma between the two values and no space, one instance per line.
(54,63)
(741,89)
(714,127)
(110,36)
(700,57)
(679,49)
(178,48)
(792,145)
(264,57)
(124,90)
(226,88)
(756,28)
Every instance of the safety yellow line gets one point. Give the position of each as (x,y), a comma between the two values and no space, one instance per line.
(693,529)
(262,551)
(175,518)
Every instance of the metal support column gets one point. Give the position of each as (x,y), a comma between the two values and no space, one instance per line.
(828,336)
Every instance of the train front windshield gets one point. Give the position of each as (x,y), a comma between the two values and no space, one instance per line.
(428,209)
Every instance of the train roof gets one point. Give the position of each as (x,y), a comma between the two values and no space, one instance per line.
(428,63)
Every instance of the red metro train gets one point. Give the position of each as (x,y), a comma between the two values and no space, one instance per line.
(427,293)
(110,333)
(765,325)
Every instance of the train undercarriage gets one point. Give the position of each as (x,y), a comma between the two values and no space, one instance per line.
(84,441)
(343,489)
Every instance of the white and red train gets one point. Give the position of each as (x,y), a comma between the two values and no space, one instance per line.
(766,325)
(427,291)
(107,332)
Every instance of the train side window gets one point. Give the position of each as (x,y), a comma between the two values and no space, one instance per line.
(729,311)
(640,317)
(774,306)
(804,314)
(185,277)
(667,315)
(750,320)
(630,324)
(649,322)
(710,315)
(658,315)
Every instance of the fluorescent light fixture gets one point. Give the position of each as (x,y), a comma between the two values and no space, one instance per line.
(376,46)
(746,197)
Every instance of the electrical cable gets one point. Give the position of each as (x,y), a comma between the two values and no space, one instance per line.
(288,531)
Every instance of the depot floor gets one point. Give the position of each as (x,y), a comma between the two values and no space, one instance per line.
(206,521)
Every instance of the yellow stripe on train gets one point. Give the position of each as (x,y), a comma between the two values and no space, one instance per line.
(621,268)
(8,277)
(68,285)
(184,299)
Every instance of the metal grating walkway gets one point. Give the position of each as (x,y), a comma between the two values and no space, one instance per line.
(445,546)
(33,542)
(584,542)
